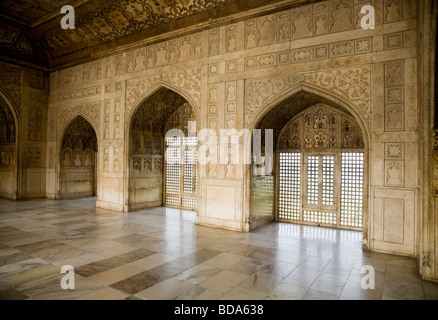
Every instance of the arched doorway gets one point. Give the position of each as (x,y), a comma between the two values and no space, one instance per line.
(8,152)
(162,154)
(319,172)
(320,169)
(78,176)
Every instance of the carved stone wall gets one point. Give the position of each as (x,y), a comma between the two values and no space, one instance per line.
(322,128)
(188,81)
(26,91)
(10,83)
(232,75)
(352,84)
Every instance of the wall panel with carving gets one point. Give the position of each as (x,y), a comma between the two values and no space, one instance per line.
(319,47)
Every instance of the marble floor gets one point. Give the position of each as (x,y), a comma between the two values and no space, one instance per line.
(161,254)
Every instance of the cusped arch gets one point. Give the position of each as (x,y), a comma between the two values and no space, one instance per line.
(336,99)
(150,92)
(320,92)
(145,129)
(71,119)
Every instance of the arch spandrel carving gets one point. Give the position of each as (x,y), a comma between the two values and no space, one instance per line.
(186,82)
(89,111)
(351,84)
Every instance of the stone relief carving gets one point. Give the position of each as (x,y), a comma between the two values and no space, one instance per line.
(35,124)
(161,55)
(119,64)
(87,92)
(187,80)
(266,30)
(231,91)
(427,260)
(213,42)
(79,144)
(341,15)
(321,126)
(230,122)
(116,165)
(393,10)
(212,109)
(321,23)
(342,49)
(139,62)
(250,34)
(231,107)
(185,49)
(117,119)
(230,170)
(394,96)
(394,173)
(231,66)
(302,22)
(338,49)
(394,117)
(353,84)
(393,41)
(258,92)
(10,82)
(394,151)
(212,124)
(299,22)
(157,164)
(231,38)
(90,110)
(394,73)
(212,97)
(214,69)
(130,62)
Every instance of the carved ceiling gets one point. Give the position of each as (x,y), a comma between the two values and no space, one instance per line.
(30,29)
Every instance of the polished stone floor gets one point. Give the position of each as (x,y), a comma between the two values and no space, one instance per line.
(161,254)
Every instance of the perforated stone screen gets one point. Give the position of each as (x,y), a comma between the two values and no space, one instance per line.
(321,169)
